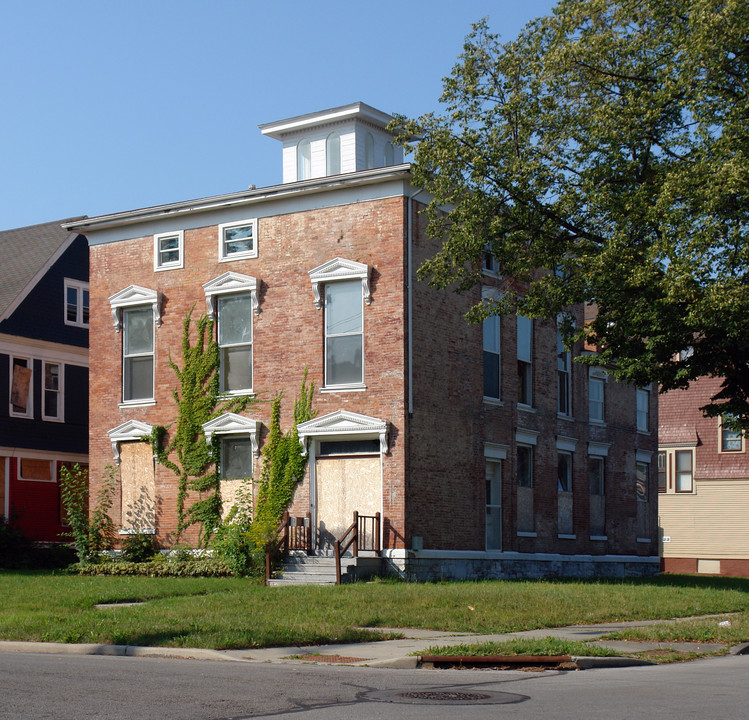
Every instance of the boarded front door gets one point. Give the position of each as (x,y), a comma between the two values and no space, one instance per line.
(344,484)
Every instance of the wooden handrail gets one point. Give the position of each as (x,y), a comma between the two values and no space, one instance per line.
(294,533)
(360,539)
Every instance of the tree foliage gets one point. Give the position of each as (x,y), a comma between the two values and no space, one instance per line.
(603,157)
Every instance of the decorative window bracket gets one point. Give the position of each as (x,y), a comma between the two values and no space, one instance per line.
(231,282)
(340,269)
(233,424)
(131,297)
(130,431)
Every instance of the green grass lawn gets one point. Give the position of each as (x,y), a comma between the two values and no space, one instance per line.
(239,613)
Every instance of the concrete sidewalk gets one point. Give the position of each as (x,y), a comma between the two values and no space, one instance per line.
(400,653)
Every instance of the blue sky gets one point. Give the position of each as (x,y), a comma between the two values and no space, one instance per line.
(111,106)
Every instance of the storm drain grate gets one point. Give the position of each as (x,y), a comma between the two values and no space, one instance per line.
(443,697)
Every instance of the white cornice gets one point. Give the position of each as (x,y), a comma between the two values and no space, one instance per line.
(343,423)
(238,199)
(130,431)
(133,296)
(340,269)
(231,282)
(357,110)
(233,424)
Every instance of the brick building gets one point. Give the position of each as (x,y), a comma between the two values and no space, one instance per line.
(486,450)
(43,372)
(703,483)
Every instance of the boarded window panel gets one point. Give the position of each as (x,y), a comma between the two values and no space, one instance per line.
(138,487)
(36,469)
(19,394)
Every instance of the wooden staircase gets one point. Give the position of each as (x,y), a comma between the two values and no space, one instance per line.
(301,567)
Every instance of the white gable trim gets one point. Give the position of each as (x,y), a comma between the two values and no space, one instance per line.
(231,282)
(233,424)
(130,431)
(340,269)
(341,424)
(132,296)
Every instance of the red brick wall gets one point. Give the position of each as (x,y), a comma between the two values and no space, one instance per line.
(288,334)
(445,484)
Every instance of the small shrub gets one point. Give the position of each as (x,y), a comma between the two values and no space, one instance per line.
(233,547)
(196,567)
(14,546)
(138,547)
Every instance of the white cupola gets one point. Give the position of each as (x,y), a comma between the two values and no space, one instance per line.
(342,140)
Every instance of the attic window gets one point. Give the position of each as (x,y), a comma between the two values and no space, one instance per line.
(304,160)
(333,154)
(76,303)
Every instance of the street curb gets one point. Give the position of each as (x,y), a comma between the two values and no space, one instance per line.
(591,662)
(742,649)
(114,650)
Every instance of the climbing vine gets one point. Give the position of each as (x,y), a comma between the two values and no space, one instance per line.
(283,466)
(187,454)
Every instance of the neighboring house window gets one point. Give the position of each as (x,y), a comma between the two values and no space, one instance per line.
(662,472)
(76,303)
(683,468)
(235,342)
(168,253)
(52,405)
(21,387)
(596,395)
(492,365)
(525,360)
(564,377)
(564,472)
(730,440)
(37,470)
(676,470)
(333,154)
(303,160)
(493,472)
(369,153)
(137,353)
(237,240)
(642,471)
(344,333)
(643,409)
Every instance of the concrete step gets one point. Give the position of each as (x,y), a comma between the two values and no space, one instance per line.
(320,570)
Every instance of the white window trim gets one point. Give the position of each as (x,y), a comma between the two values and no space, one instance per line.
(144,400)
(233,424)
(671,471)
(52,474)
(231,283)
(222,255)
(176,264)
(343,424)
(338,270)
(79,286)
(60,417)
(721,451)
(599,375)
(30,403)
(133,296)
(130,431)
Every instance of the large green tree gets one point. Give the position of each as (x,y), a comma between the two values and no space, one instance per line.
(603,157)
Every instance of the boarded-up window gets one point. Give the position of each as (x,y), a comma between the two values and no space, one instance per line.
(138,487)
(20,390)
(36,470)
